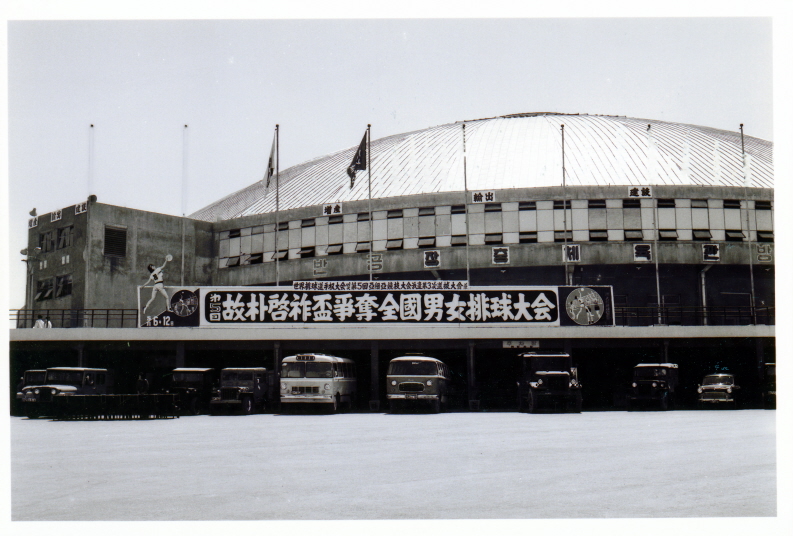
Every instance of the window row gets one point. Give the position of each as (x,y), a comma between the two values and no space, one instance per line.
(56,239)
(56,287)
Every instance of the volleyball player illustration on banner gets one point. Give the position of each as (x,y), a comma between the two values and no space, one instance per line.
(157,276)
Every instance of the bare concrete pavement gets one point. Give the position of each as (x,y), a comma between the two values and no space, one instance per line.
(378,466)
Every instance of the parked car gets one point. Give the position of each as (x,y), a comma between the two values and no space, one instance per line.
(194,388)
(718,390)
(549,381)
(37,400)
(653,386)
(244,390)
(415,380)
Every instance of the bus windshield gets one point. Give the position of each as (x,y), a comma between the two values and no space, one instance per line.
(413,368)
(307,370)
(715,380)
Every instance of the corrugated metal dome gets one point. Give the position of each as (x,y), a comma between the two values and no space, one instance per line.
(517,151)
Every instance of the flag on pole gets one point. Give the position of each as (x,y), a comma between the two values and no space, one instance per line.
(358,162)
(270,165)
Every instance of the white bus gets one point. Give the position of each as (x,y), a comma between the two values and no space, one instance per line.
(318,379)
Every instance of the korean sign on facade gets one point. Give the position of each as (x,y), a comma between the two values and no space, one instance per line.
(397,302)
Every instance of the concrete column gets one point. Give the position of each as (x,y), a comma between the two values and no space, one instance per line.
(179,358)
(666,350)
(374,386)
(473,403)
(275,390)
(81,354)
(760,356)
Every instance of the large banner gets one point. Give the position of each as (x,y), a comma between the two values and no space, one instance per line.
(395,302)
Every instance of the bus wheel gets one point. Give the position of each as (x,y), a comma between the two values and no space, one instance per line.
(247,405)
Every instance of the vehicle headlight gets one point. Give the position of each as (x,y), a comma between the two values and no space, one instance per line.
(699,389)
(54,391)
(729,389)
(393,382)
(36,391)
(327,386)
(633,384)
(283,386)
(429,383)
(539,382)
(655,384)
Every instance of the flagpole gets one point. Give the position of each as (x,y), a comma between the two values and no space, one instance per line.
(748,227)
(467,235)
(277,208)
(651,170)
(371,216)
(564,215)
(184,185)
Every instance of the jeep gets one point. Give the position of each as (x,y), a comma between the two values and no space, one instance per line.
(244,390)
(653,385)
(37,400)
(548,381)
(194,387)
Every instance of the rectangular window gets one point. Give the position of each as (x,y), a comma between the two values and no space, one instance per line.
(362,247)
(363,216)
(666,203)
(256,258)
(598,236)
(633,234)
(493,207)
(734,235)
(667,234)
(732,203)
(394,244)
(427,211)
(561,236)
(44,289)
(762,205)
(63,285)
(394,214)
(234,233)
(493,238)
(308,223)
(426,242)
(280,255)
(702,234)
(47,241)
(459,240)
(458,209)
(597,203)
(631,203)
(561,204)
(307,253)
(765,236)
(334,249)
(699,203)
(115,241)
(283,225)
(527,205)
(528,237)
(65,237)
(335,219)
(233,261)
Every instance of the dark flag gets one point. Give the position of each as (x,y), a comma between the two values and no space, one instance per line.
(270,166)
(358,162)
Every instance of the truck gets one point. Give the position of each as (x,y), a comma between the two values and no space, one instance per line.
(653,386)
(548,381)
(193,388)
(242,390)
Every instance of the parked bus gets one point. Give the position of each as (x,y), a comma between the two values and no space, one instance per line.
(318,379)
(418,380)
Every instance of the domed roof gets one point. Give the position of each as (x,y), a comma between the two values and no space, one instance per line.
(516,151)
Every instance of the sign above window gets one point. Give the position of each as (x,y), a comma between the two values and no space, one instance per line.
(331,209)
(483,197)
(640,191)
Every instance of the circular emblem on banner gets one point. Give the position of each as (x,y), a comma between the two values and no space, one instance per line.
(584,306)
(184,303)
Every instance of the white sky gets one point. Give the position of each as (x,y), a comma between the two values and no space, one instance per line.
(140,82)
(324,80)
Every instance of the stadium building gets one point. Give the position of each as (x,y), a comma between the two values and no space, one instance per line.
(673,224)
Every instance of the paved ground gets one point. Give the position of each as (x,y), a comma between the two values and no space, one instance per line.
(378,466)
